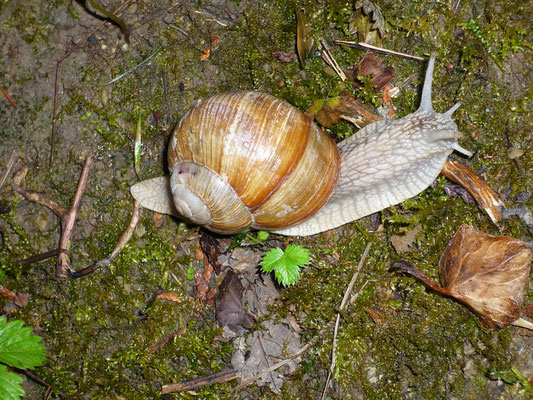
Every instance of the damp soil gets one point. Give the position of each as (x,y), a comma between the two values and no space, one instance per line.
(105,340)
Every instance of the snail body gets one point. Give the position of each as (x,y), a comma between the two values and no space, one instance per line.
(244,160)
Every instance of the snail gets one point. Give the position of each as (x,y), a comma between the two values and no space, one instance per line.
(247,160)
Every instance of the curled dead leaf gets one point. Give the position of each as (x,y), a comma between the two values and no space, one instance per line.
(229,305)
(487,273)
(485,197)
(371,65)
(304,40)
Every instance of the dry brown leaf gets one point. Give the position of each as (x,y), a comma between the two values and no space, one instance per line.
(371,65)
(229,305)
(407,241)
(304,41)
(486,198)
(345,107)
(487,273)
(211,247)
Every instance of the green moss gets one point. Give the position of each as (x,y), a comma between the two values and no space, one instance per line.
(99,330)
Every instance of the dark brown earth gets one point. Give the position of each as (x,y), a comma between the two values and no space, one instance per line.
(105,340)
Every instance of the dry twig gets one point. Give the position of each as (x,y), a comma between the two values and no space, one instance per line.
(343,305)
(68,220)
(366,46)
(43,200)
(223,376)
(35,378)
(120,245)
(8,97)
(10,164)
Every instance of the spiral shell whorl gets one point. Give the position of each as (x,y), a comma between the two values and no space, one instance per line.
(206,199)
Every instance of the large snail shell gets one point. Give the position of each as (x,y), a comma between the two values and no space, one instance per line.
(243,160)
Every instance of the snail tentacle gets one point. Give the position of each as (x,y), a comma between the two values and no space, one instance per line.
(425,102)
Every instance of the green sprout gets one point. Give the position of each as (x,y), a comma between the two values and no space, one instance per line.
(286,265)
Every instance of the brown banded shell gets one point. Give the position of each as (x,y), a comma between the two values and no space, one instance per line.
(248,160)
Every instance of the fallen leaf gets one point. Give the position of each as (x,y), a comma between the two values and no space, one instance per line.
(407,241)
(367,22)
(284,56)
(203,292)
(229,305)
(485,197)
(487,273)
(304,41)
(345,107)
(205,54)
(264,348)
(211,247)
(371,65)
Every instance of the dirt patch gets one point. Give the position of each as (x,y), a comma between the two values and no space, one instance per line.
(396,341)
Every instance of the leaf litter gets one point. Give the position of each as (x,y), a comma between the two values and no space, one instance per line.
(489,274)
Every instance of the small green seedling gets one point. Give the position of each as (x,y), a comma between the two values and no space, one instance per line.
(286,265)
(19,349)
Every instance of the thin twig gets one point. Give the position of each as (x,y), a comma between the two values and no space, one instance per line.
(43,200)
(343,305)
(68,220)
(35,378)
(38,257)
(56,84)
(219,377)
(10,164)
(120,245)
(378,49)
(8,97)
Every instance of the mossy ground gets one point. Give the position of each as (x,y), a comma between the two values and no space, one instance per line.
(99,331)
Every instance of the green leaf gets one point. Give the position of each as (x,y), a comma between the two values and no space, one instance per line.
(18,347)
(297,254)
(286,265)
(10,388)
(271,259)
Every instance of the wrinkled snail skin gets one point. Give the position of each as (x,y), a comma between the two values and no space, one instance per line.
(381,165)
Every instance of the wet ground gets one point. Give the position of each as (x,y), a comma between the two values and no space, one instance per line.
(105,339)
